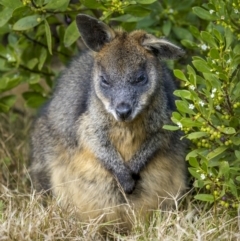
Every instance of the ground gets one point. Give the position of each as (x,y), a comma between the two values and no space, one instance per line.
(26,215)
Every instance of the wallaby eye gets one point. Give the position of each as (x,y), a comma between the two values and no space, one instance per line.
(141,79)
(104,82)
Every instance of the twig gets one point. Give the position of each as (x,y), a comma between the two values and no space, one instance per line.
(30,70)
(44,45)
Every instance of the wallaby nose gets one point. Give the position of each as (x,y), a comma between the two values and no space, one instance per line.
(123,111)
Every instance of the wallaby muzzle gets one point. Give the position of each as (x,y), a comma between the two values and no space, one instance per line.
(123,111)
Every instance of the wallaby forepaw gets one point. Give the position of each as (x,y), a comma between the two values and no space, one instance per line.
(127,182)
(129,186)
(136,176)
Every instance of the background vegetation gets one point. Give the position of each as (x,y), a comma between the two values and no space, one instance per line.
(39,37)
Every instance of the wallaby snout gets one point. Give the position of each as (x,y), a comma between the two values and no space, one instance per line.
(123,111)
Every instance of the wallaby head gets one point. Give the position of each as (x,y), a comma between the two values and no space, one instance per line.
(127,69)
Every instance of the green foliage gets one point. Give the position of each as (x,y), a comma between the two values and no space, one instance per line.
(209,107)
(36,34)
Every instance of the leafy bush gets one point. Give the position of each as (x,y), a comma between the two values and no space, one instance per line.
(36,34)
(209,106)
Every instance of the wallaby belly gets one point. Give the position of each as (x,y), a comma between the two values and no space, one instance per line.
(84,183)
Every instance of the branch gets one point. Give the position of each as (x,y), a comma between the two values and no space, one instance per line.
(30,70)
(44,45)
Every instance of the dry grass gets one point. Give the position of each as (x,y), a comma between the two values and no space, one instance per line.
(25,215)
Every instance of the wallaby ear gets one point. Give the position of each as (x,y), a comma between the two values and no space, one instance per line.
(94,33)
(162,48)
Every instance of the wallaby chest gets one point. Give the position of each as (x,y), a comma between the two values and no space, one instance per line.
(127,138)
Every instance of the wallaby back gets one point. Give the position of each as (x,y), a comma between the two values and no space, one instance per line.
(99,142)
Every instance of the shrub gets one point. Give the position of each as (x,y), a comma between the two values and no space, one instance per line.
(209,106)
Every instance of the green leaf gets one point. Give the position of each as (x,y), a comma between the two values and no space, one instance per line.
(8,100)
(228,130)
(235,140)
(13,4)
(234,122)
(216,152)
(32,63)
(201,66)
(182,33)
(193,172)
(213,163)
(193,153)
(229,37)
(167,25)
(181,5)
(237,154)
(214,54)
(128,18)
(195,31)
(93,4)
(236,90)
(236,49)
(34,78)
(183,107)
(145,1)
(193,162)
(176,115)
(170,128)
(188,43)
(204,14)
(5,15)
(145,23)
(34,99)
(205,197)
(3,66)
(209,39)
(4,108)
(48,36)
(236,60)
(233,187)
(224,169)
(23,11)
(7,83)
(195,135)
(180,75)
(71,34)
(57,4)
(129,26)
(185,94)
(198,183)
(204,165)
(27,22)
(137,11)
(42,58)
(189,122)
(3,83)
(213,79)
(37,88)
(218,35)
(191,70)
(238,178)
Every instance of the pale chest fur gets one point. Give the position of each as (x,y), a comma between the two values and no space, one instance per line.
(127,139)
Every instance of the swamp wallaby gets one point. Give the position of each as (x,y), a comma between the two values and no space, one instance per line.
(99,142)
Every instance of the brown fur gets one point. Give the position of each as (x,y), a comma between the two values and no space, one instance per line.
(100,196)
(127,139)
